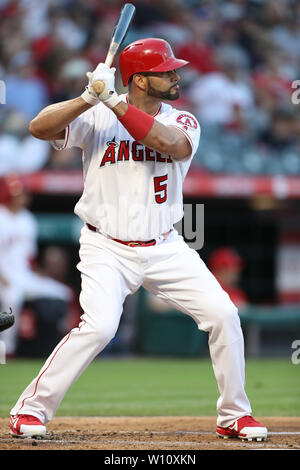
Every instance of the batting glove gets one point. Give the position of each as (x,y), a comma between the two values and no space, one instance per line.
(89,95)
(108,96)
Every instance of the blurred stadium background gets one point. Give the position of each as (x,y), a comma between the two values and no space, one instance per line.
(244,58)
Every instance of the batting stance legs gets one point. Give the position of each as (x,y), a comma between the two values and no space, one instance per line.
(175,273)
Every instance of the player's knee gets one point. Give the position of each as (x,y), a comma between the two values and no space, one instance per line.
(226,313)
(226,325)
(102,333)
(222,312)
(106,332)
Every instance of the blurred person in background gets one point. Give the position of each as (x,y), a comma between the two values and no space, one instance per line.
(72,78)
(286,34)
(281,133)
(271,77)
(25,91)
(224,97)
(198,49)
(19,152)
(18,250)
(55,264)
(226,265)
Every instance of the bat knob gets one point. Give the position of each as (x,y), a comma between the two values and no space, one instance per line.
(98,87)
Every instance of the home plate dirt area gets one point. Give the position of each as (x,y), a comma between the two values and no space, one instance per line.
(149,433)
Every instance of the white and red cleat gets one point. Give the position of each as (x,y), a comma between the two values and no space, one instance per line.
(26,426)
(244,428)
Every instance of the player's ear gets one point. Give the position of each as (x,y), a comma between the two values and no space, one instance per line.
(140,81)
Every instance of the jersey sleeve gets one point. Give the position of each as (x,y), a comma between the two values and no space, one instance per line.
(78,133)
(189,126)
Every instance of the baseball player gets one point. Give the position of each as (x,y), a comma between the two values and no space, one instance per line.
(18,248)
(136,152)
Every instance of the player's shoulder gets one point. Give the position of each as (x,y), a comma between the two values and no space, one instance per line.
(28,217)
(179,116)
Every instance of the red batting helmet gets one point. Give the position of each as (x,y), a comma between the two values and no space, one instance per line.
(148,55)
(225,258)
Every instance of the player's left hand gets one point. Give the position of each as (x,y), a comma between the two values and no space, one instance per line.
(106,75)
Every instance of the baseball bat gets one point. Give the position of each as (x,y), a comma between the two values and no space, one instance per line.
(118,35)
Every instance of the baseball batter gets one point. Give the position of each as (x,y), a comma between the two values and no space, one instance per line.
(136,152)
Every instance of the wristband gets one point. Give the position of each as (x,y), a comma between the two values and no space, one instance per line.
(112,101)
(89,97)
(136,122)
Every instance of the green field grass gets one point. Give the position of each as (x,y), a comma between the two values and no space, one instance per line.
(159,387)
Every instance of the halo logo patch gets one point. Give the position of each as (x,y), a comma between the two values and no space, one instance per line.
(186,120)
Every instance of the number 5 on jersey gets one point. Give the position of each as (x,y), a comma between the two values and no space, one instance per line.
(160,189)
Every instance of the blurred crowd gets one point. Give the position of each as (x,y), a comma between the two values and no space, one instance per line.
(244,57)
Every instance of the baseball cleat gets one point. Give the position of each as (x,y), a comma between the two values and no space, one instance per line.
(245,428)
(25,426)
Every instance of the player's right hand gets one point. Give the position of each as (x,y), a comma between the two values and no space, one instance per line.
(107,76)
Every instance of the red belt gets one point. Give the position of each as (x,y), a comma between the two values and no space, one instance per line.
(130,243)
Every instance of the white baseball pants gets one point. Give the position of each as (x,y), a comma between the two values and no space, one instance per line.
(175,273)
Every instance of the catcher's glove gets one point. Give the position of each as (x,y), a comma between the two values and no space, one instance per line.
(6,320)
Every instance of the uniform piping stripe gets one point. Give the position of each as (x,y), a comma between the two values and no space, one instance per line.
(67,138)
(158,111)
(153,115)
(40,376)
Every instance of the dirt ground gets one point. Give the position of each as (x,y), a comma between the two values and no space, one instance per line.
(149,433)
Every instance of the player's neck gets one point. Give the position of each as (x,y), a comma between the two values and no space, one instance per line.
(15,209)
(148,104)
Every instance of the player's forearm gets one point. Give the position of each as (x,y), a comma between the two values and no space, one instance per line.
(159,137)
(55,118)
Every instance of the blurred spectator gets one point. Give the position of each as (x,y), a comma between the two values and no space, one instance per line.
(270,79)
(72,79)
(281,134)
(226,266)
(67,159)
(19,151)
(223,97)
(287,35)
(25,92)
(197,49)
(69,32)
(18,249)
(96,47)
(233,10)
(55,264)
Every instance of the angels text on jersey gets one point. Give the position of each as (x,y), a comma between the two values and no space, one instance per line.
(121,151)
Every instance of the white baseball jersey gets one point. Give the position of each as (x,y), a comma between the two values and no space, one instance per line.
(131,192)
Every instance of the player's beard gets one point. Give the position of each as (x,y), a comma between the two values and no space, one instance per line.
(162,95)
